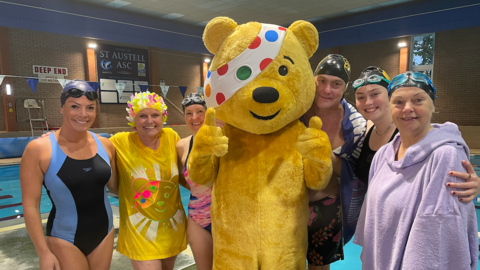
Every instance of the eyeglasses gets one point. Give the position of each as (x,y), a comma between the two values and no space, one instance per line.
(415,76)
(76,93)
(373,79)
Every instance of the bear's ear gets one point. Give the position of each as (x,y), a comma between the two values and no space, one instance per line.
(217,31)
(307,34)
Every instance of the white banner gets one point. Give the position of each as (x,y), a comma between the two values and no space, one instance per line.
(164,89)
(200,90)
(63,82)
(120,87)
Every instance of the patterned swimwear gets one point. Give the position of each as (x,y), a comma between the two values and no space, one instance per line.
(328,249)
(325,231)
(200,199)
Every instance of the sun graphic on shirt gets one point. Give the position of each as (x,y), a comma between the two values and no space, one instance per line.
(155,211)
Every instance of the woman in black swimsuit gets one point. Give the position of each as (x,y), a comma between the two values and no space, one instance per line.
(75,166)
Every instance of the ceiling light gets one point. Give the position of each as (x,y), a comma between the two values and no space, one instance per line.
(118,4)
(92,45)
(207,60)
(402,44)
(8,90)
(173,16)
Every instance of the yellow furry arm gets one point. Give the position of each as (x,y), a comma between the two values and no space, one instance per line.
(315,148)
(208,145)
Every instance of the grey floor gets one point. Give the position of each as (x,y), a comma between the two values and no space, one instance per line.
(18,253)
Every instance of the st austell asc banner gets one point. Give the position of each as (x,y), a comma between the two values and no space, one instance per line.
(117,64)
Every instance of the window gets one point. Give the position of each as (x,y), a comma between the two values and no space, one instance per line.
(423,48)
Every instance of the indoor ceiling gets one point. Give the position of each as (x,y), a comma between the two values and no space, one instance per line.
(281,12)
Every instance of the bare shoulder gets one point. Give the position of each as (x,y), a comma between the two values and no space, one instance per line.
(182,145)
(38,146)
(107,143)
(369,126)
(184,142)
(37,153)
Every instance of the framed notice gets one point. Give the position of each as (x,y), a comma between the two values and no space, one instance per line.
(116,64)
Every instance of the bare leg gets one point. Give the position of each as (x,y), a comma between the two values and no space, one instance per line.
(101,256)
(147,265)
(68,255)
(168,263)
(201,243)
(163,264)
(323,267)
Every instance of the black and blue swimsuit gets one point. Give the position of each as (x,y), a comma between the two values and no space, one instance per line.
(81,213)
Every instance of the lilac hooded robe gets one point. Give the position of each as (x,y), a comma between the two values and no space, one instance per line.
(409,219)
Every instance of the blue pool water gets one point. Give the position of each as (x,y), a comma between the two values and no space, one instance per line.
(11,196)
(11,207)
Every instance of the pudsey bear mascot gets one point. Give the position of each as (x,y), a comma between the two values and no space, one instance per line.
(260,83)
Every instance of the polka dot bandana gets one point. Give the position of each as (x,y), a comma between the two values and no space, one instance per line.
(224,82)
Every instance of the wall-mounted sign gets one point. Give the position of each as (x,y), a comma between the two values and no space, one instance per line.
(125,65)
(48,74)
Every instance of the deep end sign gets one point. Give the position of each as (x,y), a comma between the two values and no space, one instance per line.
(47,74)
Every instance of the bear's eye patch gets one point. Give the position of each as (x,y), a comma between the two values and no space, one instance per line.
(289,59)
(283,70)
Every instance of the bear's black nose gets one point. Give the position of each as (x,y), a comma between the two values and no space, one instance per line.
(265,95)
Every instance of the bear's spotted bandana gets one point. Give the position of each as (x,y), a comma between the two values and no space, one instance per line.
(224,82)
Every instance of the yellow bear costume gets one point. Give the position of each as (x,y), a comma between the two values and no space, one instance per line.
(264,158)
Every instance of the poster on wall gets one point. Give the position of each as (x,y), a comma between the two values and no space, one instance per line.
(116,64)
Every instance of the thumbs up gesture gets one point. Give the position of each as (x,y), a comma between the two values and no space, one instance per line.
(209,139)
(315,148)
(208,145)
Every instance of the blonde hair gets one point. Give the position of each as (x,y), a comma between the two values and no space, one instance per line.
(142,101)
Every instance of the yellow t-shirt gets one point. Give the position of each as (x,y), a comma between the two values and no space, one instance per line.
(152,219)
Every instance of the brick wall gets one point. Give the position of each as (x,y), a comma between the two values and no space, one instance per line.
(454,72)
(384,53)
(29,48)
(456,76)
(179,69)
(456,56)
(40,48)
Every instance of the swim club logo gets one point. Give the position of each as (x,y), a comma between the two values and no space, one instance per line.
(141,69)
(106,64)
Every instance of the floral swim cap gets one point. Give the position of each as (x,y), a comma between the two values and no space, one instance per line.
(142,101)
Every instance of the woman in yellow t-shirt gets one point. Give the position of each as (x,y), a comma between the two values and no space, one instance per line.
(152,220)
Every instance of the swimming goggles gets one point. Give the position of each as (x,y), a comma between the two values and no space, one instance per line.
(193,99)
(76,93)
(415,79)
(372,79)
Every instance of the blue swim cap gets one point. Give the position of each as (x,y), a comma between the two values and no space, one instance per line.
(76,89)
(413,79)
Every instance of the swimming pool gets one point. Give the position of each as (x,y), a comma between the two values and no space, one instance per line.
(11,196)
(11,207)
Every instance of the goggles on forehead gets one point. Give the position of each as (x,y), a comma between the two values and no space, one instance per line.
(193,99)
(418,79)
(372,79)
(76,93)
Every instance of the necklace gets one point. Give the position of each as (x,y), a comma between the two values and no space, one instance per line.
(385,130)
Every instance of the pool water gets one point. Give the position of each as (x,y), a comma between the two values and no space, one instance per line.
(11,196)
(11,207)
